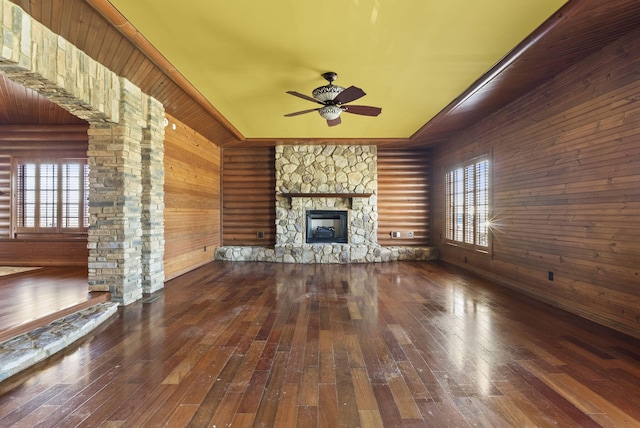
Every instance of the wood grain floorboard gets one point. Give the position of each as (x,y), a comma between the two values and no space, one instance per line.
(30,300)
(403,344)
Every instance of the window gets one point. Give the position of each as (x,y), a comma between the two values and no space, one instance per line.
(51,196)
(467,204)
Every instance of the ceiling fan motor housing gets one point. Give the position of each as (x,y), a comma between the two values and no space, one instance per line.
(326,92)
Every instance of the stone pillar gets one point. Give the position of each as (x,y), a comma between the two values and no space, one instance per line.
(126,197)
(115,173)
(153,199)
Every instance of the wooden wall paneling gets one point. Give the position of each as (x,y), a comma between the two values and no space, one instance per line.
(192,199)
(565,174)
(404,177)
(248,185)
(53,252)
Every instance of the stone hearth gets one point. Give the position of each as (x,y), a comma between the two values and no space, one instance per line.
(326,178)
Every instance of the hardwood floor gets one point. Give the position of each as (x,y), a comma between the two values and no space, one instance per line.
(402,344)
(32,299)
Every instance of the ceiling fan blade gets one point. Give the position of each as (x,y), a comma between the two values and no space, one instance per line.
(302,112)
(363,110)
(350,94)
(334,122)
(304,97)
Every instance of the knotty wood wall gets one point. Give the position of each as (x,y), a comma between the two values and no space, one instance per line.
(192,199)
(26,140)
(566,189)
(249,207)
(404,177)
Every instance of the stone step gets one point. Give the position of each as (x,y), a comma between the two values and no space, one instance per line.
(28,349)
(325,253)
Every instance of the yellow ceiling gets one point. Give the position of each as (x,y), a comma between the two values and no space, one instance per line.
(411,57)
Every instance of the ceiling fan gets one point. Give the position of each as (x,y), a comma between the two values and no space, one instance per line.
(333,99)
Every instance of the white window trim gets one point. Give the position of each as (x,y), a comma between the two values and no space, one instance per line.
(457,196)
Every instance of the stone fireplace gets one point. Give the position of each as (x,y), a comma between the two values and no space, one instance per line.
(326,178)
(312,178)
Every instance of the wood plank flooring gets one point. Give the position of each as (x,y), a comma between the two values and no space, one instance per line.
(32,299)
(404,344)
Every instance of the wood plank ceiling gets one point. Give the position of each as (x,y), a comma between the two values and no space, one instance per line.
(580,28)
(23,106)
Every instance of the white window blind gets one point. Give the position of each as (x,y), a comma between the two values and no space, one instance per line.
(51,196)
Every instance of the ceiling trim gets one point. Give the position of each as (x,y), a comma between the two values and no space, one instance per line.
(577,30)
(332,141)
(118,21)
(507,61)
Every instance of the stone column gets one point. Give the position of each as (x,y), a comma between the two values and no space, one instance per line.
(126,197)
(153,199)
(115,173)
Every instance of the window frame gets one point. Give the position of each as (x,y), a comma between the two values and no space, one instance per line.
(66,209)
(464,200)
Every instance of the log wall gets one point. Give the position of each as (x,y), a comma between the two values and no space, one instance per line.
(404,177)
(249,196)
(192,199)
(565,176)
(249,207)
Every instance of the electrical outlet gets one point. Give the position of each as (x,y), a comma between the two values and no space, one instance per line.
(550,276)
(260,235)
(395,234)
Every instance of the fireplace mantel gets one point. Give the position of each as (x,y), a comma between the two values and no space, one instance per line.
(326,195)
(352,197)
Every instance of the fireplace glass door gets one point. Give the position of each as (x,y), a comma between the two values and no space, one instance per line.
(326,226)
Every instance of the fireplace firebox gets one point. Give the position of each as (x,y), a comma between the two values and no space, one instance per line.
(327,226)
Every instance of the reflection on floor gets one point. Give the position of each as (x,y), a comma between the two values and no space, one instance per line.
(284,345)
(32,299)
(10,270)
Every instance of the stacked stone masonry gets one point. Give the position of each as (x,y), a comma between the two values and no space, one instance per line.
(153,199)
(125,154)
(325,253)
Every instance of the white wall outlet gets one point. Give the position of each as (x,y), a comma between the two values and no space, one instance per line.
(395,234)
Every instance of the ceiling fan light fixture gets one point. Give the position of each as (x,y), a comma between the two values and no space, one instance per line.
(330,112)
(326,92)
(334,99)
